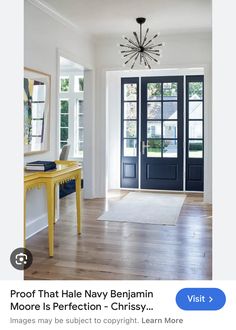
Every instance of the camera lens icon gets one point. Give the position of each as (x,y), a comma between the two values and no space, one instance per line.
(21,258)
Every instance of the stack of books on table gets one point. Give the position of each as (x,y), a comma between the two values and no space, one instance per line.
(40,165)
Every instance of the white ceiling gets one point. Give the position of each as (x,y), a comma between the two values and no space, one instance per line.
(109,17)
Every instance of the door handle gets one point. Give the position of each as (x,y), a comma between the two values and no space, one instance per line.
(144,146)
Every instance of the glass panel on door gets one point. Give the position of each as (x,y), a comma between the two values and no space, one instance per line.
(129,132)
(194,132)
(162,133)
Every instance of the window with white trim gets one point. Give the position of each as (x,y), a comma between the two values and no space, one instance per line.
(72,112)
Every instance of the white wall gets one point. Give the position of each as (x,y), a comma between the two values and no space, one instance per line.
(44,36)
(181,52)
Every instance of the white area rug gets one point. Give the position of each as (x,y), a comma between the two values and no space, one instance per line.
(144,207)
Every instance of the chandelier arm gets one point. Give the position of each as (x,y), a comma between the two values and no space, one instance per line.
(128,46)
(128,51)
(145,37)
(147,43)
(147,63)
(135,59)
(151,57)
(151,46)
(152,50)
(144,59)
(136,37)
(129,54)
(156,52)
(154,46)
(131,42)
(154,37)
(131,58)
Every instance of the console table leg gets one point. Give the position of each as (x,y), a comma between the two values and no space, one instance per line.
(54,210)
(78,201)
(51,208)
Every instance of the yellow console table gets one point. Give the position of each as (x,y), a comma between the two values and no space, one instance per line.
(66,171)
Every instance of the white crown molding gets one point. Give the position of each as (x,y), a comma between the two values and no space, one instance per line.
(57,16)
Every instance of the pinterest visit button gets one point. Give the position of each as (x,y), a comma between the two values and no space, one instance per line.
(200,299)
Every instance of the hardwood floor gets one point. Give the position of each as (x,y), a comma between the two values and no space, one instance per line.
(125,251)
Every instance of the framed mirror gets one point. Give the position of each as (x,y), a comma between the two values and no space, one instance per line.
(37,89)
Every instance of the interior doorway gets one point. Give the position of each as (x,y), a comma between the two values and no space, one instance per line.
(76,115)
(71,117)
(71,108)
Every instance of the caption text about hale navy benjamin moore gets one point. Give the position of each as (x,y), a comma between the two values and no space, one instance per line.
(80,300)
(86,307)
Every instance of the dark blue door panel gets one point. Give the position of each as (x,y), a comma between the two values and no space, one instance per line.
(162,133)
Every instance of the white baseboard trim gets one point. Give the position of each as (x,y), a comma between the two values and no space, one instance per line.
(36,225)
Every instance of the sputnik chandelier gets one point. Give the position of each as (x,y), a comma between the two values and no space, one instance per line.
(141,49)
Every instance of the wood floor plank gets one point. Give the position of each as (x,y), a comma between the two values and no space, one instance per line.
(125,251)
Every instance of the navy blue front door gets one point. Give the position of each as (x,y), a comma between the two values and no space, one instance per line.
(162,133)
